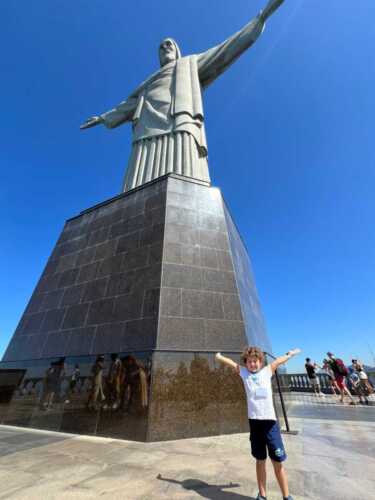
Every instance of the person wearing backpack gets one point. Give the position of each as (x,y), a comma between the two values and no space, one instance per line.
(341,372)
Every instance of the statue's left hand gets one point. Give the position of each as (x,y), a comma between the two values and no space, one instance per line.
(270,8)
(91,122)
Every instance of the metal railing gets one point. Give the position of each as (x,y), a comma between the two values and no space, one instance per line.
(282,387)
(299,382)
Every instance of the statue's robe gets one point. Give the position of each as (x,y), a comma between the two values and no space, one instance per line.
(166,112)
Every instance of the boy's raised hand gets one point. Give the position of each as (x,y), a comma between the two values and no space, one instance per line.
(226,361)
(293,352)
(284,359)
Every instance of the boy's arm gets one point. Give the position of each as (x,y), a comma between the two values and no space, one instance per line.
(227,361)
(283,359)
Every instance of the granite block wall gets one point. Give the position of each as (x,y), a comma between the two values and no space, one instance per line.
(100,289)
(158,279)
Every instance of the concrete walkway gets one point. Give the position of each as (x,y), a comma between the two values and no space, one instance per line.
(328,459)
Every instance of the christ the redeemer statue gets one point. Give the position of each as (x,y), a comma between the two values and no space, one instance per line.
(166,110)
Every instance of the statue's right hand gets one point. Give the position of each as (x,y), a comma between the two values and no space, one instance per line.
(270,8)
(91,122)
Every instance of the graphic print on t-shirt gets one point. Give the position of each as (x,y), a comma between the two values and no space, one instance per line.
(258,393)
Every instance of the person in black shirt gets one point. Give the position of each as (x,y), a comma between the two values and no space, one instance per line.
(312,376)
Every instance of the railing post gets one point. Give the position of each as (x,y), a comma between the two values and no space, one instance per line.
(282,400)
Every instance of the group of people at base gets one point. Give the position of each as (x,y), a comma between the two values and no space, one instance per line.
(340,376)
(126,380)
(265,436)
(125,387)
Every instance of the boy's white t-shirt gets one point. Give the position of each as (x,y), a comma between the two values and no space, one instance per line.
(258,393)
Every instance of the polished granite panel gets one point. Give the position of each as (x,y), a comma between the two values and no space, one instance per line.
(181,333)
(199,303)
(192,395)
(83,395)
(127,414)
(10,379)
(105,269)
(110,336)
(251,310)
(161,276)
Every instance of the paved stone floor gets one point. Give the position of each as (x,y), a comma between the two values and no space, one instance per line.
(305,405)
(332,457)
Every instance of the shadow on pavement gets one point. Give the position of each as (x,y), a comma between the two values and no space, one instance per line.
(205,490)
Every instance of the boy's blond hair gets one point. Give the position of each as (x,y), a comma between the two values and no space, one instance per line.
(252,352)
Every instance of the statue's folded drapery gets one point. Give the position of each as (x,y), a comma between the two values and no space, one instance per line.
(163,154)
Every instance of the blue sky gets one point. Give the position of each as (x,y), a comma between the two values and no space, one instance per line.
(291,144)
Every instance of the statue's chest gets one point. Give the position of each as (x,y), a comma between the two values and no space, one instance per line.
(160,89)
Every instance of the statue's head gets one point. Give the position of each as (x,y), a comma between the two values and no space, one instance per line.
(168,51)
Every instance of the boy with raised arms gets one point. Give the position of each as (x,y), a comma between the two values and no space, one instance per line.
(264,429)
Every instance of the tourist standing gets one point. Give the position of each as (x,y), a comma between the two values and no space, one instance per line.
(114,383)
(264,429)
(332,381)
(363,387)
(311,368)
(72,383)
(52,384)
(97,384)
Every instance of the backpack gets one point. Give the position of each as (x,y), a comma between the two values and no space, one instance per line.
(341,368)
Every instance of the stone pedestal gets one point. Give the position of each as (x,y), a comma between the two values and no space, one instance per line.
(160,277)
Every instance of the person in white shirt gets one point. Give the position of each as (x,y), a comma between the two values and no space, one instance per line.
(264,429)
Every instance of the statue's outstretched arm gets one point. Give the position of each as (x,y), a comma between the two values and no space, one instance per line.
(115,117)
(270,9)
(91,122)
(215,61)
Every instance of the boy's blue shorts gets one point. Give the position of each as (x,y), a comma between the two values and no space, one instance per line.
(265,435)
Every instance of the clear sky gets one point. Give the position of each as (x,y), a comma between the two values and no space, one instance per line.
(291,144)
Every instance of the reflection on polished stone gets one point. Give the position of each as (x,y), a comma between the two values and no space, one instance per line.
(103,395)
(10,379)
(111,396)
(192,395)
